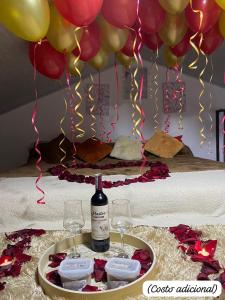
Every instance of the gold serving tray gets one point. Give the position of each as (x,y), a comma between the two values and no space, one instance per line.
(132,289)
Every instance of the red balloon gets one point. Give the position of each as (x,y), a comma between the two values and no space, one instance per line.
(152,16)
(120,13)
(211,41)
(152,41)
(90,42)
(182,48)
(211,12)
(47,60)
(79,12)
(129,49)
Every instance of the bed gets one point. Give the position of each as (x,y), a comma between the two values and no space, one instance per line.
(193,194)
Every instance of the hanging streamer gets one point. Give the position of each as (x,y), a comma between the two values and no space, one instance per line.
(156,88)
(193,65)
(63,133)
(116,106)
(101,123)
(36,147)
(151,91)
(181,94)
(201,104)
(138,114)
(166,107)
(131,99)
(210,107)
(80,116)
(140,109)
(71,105)
(64,154)
(92,107)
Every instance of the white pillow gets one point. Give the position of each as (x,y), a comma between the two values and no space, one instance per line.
(127,149)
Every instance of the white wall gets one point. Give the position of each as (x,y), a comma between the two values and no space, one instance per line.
(17,135)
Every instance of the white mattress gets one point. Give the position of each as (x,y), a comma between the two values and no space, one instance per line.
(191,198)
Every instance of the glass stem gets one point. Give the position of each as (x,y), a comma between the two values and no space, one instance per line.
(75,246)
(122,240)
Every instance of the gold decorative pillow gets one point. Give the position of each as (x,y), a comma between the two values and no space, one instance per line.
(163,145)
(92,150)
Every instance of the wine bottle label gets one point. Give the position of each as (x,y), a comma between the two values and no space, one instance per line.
(100,222)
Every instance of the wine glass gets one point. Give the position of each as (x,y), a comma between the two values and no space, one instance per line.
(121,221)
(73,221)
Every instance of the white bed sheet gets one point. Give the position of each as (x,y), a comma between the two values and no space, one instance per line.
(190,197)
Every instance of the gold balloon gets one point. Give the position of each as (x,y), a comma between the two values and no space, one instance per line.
(61,33)
(170,59)
(221,3)
(113,38)
(174,6)
(222,24)
(125,60)
(173,29)
(74,64)
(28,19)
(100,60)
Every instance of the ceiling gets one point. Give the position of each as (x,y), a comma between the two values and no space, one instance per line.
(16,76)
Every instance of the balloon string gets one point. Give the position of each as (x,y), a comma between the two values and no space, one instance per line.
(80,116)
(92,107)
(142,112)
(101,123)
(136,92)
(116,106)
(210,107)
(193,65)
(179,80)
(201,105)
(179,92)
(167,120)
(36,147)
(131,98)
(63,133)
(156,88)
(71,104)
(151,78)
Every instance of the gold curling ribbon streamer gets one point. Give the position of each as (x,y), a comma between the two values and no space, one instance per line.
(210,107)
(63,133)
(81,132)
(131,99)
(202,108)
(92,107)
(180,122)
(193,65)
(137,121)
(156,88)
(135,90)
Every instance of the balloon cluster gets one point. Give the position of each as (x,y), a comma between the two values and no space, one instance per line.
(71,32)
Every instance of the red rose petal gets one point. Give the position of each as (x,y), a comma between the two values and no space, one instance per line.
(90,288)
(202,276)
(22,258)
(25,233)
(100,263)
(99,270)
(54,278)
(56,259)
(2,286)
(100,275)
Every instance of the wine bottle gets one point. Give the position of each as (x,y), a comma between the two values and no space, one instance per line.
(100,240)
